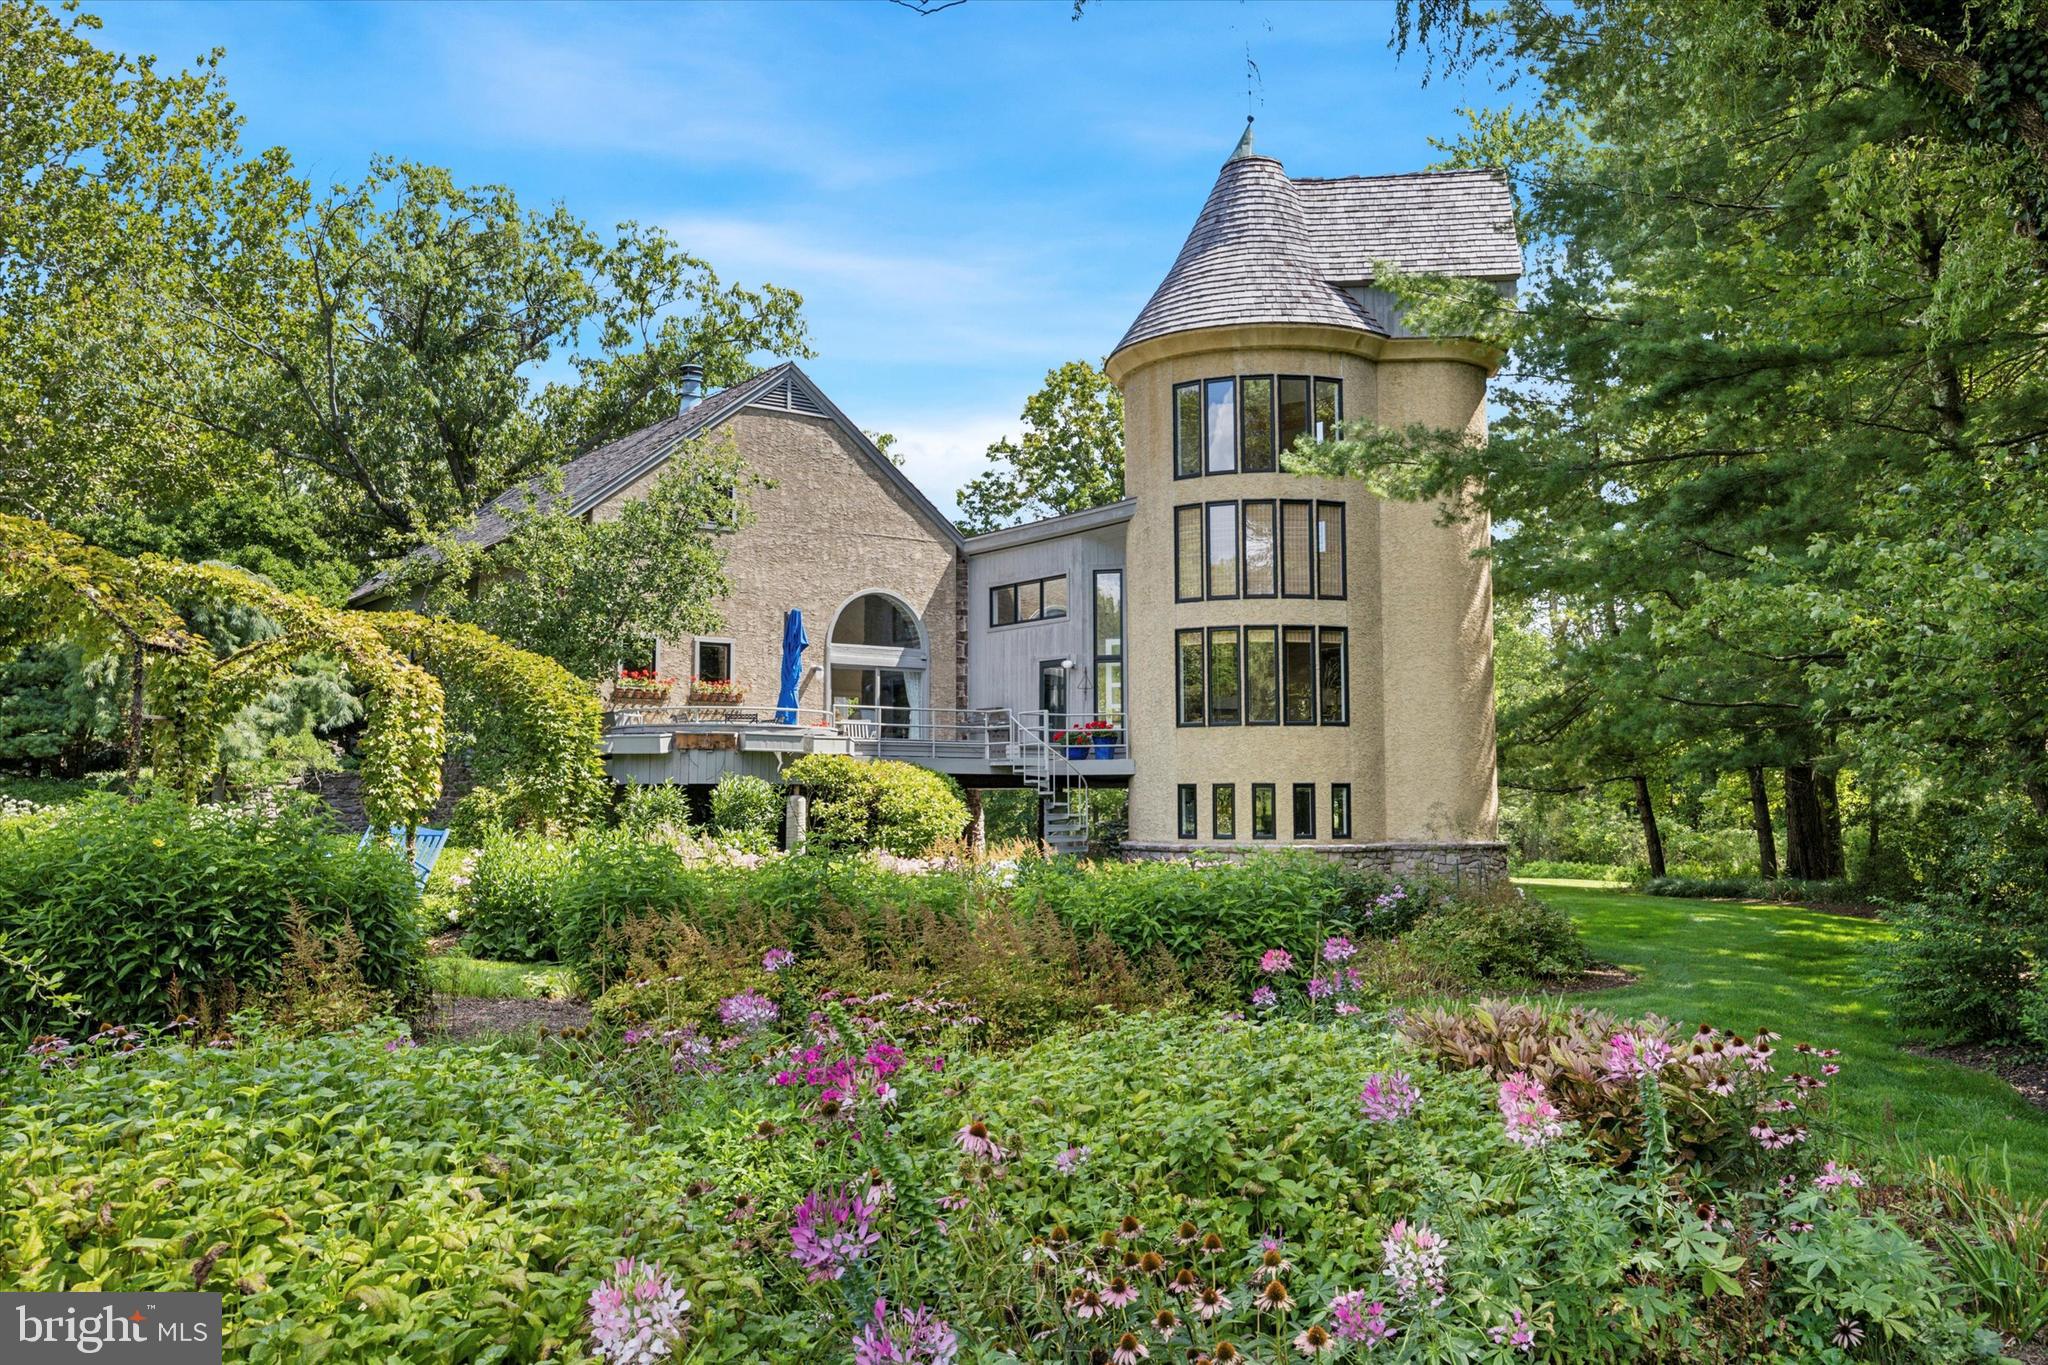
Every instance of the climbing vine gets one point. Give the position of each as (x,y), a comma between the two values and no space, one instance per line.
(542,721)
(540,726)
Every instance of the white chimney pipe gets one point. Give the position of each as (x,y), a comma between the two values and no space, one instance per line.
(693,388)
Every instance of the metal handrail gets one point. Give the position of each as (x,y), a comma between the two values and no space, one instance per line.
(902,732)
(1041,723)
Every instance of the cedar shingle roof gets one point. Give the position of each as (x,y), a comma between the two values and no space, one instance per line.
(592,477)
(1267,248)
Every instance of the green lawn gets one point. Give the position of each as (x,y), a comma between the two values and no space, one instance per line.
(454,974)
(1799,973)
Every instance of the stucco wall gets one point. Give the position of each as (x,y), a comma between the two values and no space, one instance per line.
(829,528)
(1418,751)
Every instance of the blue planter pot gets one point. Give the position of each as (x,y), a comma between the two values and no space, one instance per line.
(1077,751)
(1105,748)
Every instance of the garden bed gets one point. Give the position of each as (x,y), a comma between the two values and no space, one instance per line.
(470,1016)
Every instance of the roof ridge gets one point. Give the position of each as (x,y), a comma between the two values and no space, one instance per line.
(1493,172)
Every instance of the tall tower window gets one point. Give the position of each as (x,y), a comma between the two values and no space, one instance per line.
(1219,399)
(1297,549)
(1340,810)
(1330,549)
(1332,668)
(1223,811)
(1261,552)
(1265,819)
(1187,431)
(1222,538)
(1255,396)
(1261,675)
(1188,661)
(1329,408)
(1225,675)
(1293,409)
(1298,675)
(1304,810)
(1187,553)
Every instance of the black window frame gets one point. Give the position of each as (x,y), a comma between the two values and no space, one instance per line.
(1201,421)
(1305,789)
(1340,829)
(1280,547)
(1222,794)
(1121,658)
(1207,472)
(1014,589)
(1180,678)
(1201,549)
(1209,509)
(1272,453)
(1280,442)
(1343,635)
(1336,408)
(1314,678)
(1245,653)
(1244,560)
(1272,796)
(1189,796)
(1213,633)
(1322,584)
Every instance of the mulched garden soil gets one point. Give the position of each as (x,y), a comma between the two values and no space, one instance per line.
(468,1016)
(2023,1069)
(1601,976)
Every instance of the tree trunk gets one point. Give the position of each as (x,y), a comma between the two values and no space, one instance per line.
(1760,816)
(1805,828)
(1653,842)
(1830,860)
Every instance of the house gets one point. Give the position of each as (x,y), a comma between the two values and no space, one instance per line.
(1265,658)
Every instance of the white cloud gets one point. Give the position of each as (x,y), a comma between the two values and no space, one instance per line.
(941,452)
(624,82)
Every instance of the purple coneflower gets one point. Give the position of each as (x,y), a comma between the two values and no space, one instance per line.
(974,1139)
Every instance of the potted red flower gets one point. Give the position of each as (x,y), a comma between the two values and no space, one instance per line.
(641,684)
(717,691)
(1102,736)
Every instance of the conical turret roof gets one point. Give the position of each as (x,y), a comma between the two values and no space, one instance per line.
(1267,249)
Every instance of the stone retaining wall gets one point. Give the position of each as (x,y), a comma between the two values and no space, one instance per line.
(1478,864)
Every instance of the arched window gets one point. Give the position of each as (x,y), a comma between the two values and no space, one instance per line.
(877,619)
(877,659)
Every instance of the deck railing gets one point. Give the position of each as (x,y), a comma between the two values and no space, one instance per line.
(1110,741)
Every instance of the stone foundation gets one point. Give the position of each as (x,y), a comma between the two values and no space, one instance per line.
(1474,864)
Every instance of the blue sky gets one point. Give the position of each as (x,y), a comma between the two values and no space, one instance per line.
(965,200)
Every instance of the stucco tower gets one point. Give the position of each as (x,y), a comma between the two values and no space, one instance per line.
(1309,665)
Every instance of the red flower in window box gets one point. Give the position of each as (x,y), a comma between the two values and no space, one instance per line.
(641,684)
(717,691)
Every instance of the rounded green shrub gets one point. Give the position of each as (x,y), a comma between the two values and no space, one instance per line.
(746,811)
(123,900)
(864,803)
(656,808)
(508,908)
(1499,939)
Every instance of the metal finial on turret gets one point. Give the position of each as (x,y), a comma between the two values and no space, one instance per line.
(1244,144)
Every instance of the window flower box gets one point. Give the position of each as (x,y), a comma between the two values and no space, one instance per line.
(717,692)
(641,685)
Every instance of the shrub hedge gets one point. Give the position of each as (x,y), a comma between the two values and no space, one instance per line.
(123,901)
(746,811)
(861,804)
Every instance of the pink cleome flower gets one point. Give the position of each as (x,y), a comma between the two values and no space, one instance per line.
(637,1315)
(775,959)
(1833,1177)
(1359,1321)
(1264,998)
(747,1010)
(1526,1110)
(830,1233)
(1337,948)
(1416,1257)
(916,1338)
(1630,1055)
(1276,962)
(1388,1097)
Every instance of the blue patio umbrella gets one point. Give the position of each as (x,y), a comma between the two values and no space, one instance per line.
(794,643)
